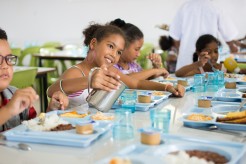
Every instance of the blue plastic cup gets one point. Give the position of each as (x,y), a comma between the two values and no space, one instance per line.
(212,82)
(160,119)
(123,129)
(129,98)
(221,79)
(199,83)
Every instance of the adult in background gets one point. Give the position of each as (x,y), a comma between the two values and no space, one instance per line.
(195,18)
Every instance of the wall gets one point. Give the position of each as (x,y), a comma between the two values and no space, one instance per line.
(38,21)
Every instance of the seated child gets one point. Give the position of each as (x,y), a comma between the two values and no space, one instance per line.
(134,43)
(204,58)
(16,105)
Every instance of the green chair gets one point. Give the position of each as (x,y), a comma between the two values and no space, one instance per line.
(27,58)
(164,58)
(241,65)
(53,76)
(144,52)
(52,45)
(16,52)
(24,77)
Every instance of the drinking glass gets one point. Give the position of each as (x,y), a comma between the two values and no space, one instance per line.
(123,128)
(212,82)
(129,98)
(199,83)
(160,119)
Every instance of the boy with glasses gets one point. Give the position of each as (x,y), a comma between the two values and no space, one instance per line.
(16,105)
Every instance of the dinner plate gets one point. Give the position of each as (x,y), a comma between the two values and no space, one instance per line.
(228,96)
(66,138)
(155,154)
(222,110)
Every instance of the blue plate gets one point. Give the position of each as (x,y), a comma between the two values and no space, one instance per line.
(155,154)
(228,97)
(65,138)
(197,124)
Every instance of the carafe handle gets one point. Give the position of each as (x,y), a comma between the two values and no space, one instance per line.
(89,79)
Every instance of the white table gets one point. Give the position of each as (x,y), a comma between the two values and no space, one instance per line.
(105,146)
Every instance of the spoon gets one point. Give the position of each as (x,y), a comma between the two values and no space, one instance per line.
(241,105)
(21,146)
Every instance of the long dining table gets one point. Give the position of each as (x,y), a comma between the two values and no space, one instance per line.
(105,146)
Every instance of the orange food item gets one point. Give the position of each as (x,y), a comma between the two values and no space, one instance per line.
(74,114)
(199,117)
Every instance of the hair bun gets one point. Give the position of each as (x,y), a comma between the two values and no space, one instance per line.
(119,22)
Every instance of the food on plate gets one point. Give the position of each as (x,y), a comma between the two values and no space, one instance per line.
(51,122)
(144,98)
(204,103)
(230,85)
(119,160)
(199,117)
(62,127)
(84,128)
(243,78)
(170,78)
(151,137)
(233,117)
(194,157)
(183,82)
(101,116)
(158,93)
(230,75)
(236,114)
(73,114)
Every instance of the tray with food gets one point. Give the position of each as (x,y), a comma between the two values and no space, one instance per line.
(223,116)
(187,83)
(144,100)
(52,129)
(180,149)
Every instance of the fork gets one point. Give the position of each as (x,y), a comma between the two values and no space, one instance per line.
(214,69)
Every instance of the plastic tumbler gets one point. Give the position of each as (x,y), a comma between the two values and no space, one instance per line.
(129,98)
(123,129)
(221,80)
(160,119)
(199,83)
(212,82)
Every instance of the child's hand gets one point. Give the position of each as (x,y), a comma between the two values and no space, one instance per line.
(105,80)
(177,91)
(156,60)
(161,72)
(203,58)
(22,99)
(58,101)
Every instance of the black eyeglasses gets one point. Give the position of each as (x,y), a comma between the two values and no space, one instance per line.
(10,59)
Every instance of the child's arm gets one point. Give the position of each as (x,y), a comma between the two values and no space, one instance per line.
(188,70)
(22,99)
(58,101)
(150,74)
